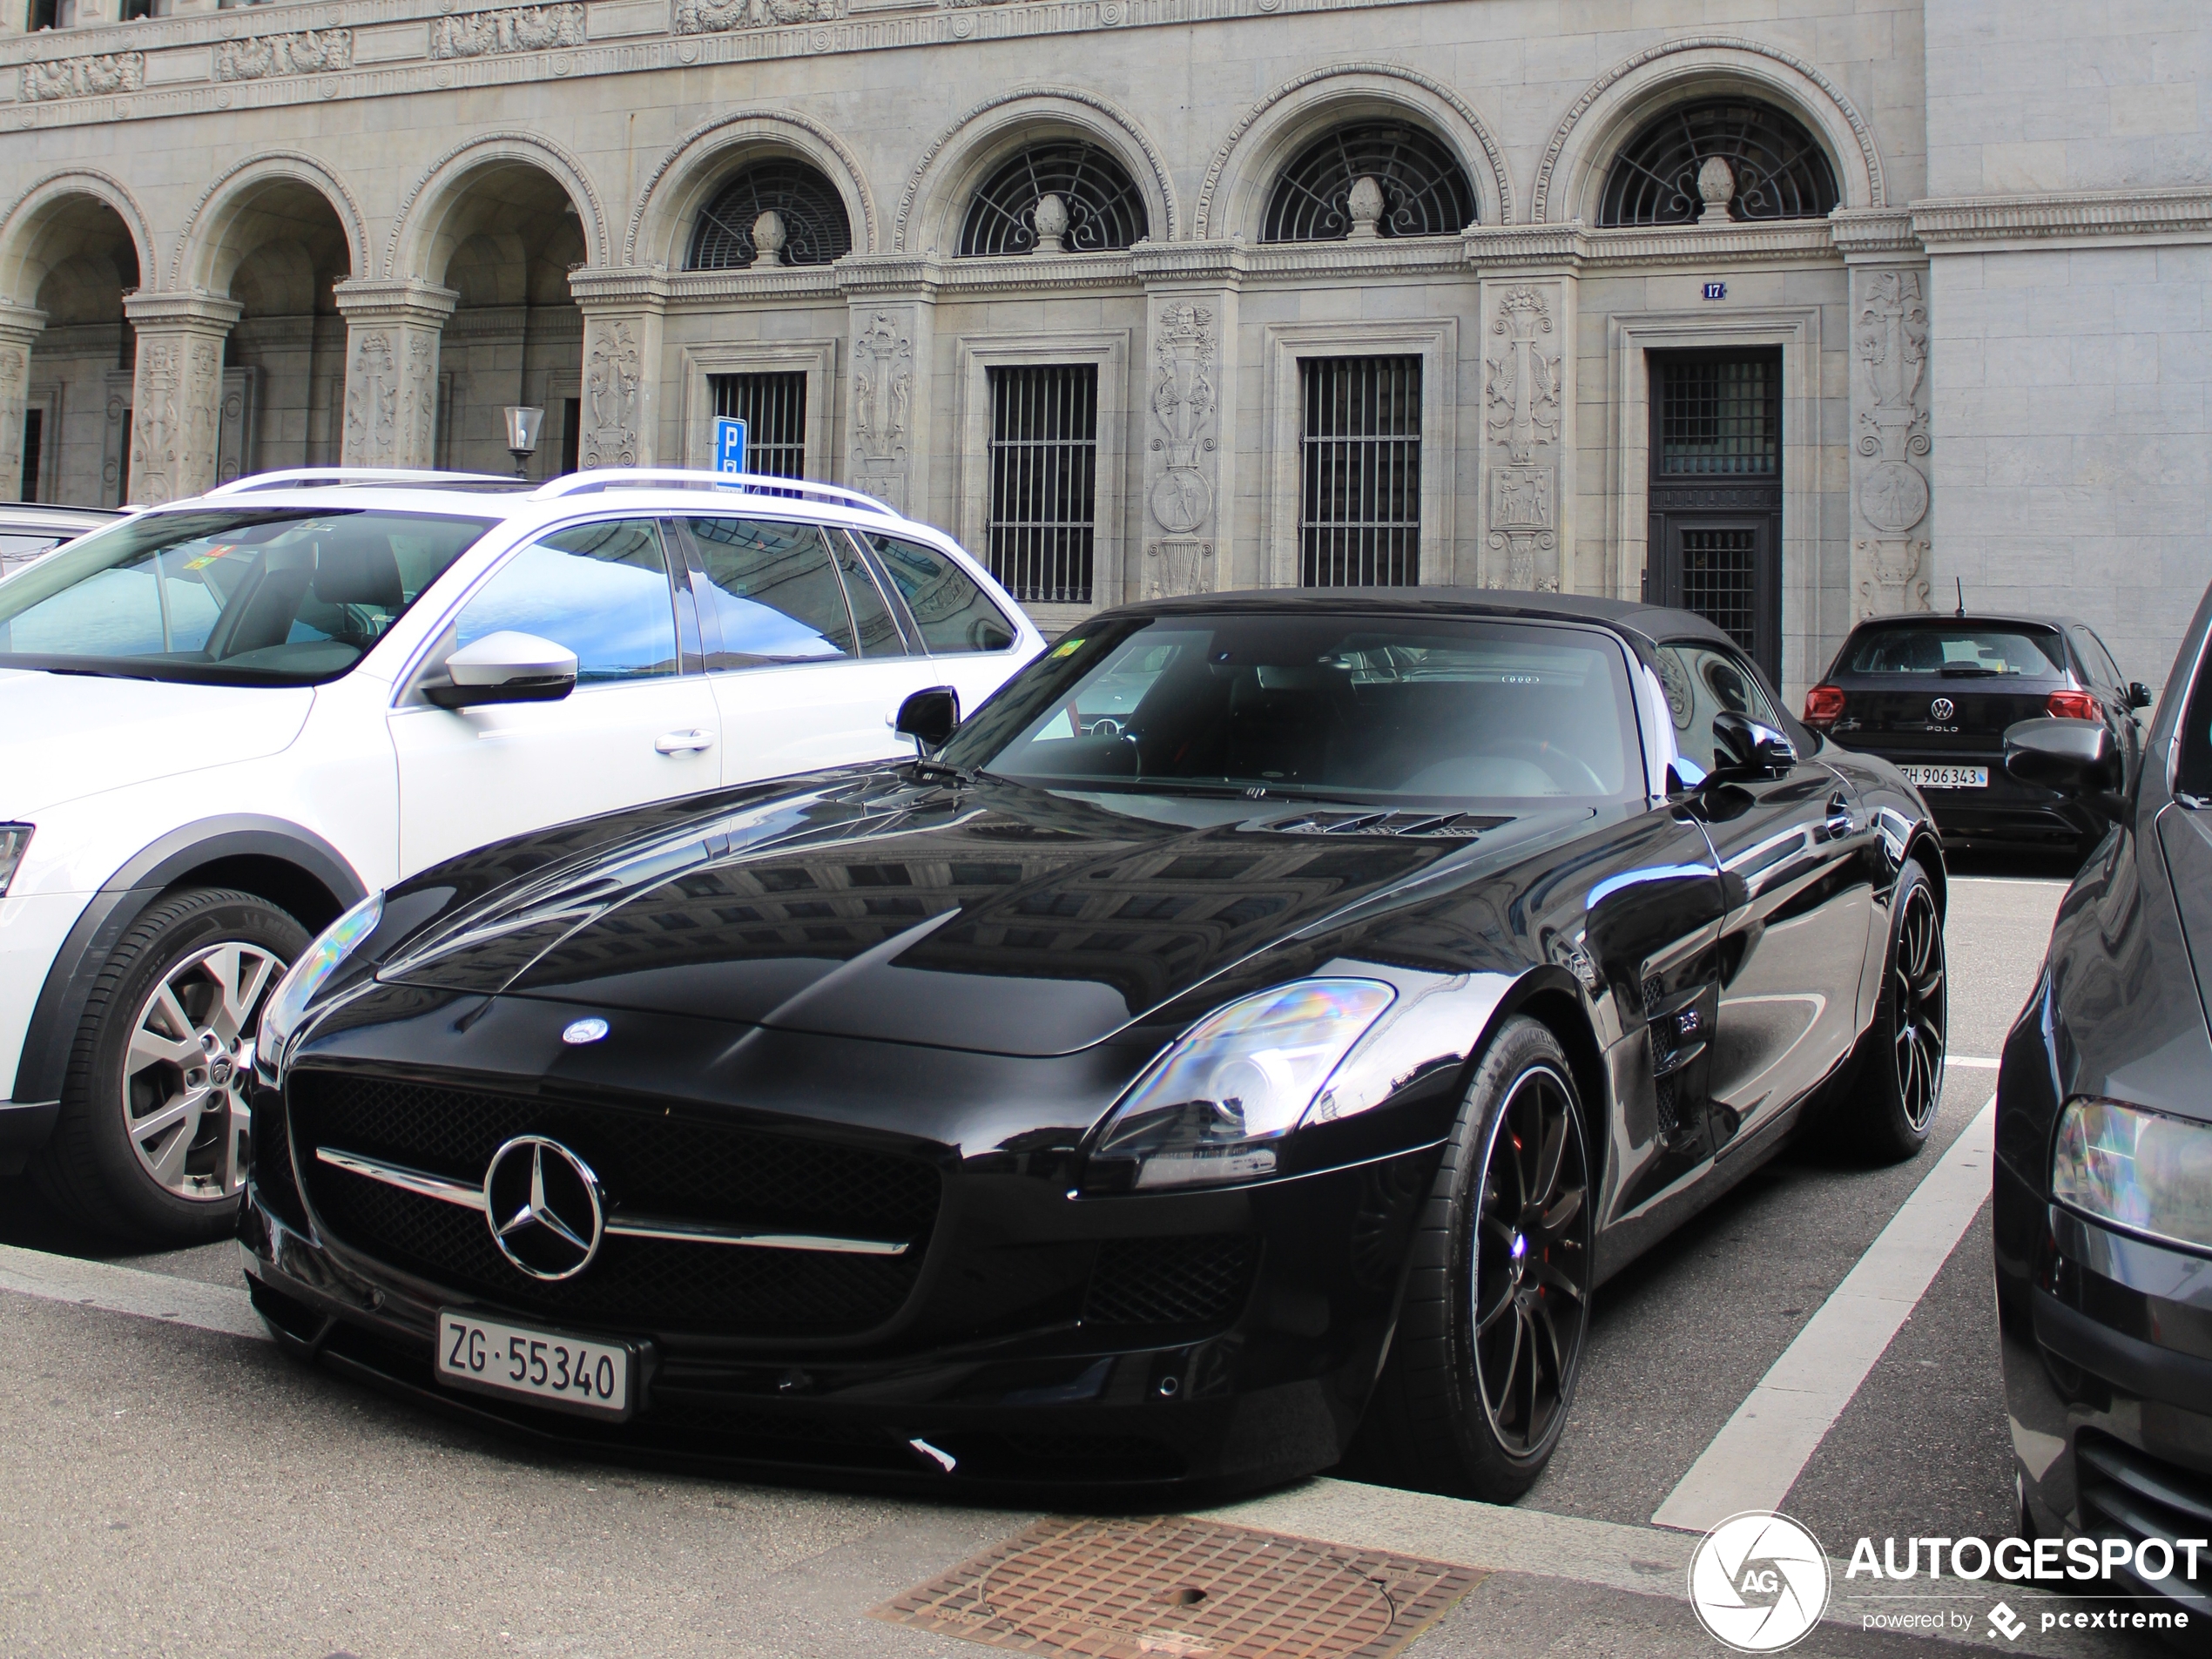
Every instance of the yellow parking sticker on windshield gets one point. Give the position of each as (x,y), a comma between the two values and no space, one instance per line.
(1068,648)
(208,557)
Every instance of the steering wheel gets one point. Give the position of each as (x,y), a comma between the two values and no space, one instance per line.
(1572,774)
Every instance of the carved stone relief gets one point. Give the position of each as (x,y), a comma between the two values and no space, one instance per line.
(1889,394)
(107,72)
(372,400)
(237,425)
(512,29)
(1178,565)
(612,380)
(308,52)
(177,415)
(716,17)
(882,390)
(1522,394)
(14,389)
(1183,403)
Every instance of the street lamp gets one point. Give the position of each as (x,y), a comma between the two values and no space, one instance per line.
(523,426)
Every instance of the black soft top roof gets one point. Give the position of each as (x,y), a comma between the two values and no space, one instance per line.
(1651,622)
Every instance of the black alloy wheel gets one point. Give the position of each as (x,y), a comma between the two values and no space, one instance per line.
(1886,1095)
(1917,993)
(1489,1341)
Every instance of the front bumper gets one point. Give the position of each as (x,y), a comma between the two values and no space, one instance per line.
(1035,1345)
(34,928)
(2106,1347)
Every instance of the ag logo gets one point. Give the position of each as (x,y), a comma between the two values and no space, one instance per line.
(1941,710)
(1758,1581)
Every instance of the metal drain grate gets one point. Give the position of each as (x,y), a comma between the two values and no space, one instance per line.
(1176,1589)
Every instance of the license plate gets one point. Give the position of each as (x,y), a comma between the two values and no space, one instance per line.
(1946,777)
(552,1368)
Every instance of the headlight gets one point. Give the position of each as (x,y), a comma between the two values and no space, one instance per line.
(1210,1109)
(2142,1171)
(14,839)
(307,975)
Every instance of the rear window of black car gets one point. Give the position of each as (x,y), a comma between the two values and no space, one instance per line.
(1960,649)
(1382,709)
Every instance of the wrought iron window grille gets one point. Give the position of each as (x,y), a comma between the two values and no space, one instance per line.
(1104,210)
(773,408)
(815,228)
(1424,191)
(1772,168)
(1359,516)
(1721,418)
(1043,530)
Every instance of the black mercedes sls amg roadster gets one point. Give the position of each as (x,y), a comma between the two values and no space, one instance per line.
(1268,1020)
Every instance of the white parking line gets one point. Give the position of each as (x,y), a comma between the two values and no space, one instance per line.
(1974,1063)
(1753,1462)
(130,1290)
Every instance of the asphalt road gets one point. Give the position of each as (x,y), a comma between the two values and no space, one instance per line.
(171,1490)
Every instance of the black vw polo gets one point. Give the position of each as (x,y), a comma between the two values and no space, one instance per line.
(1269,1014)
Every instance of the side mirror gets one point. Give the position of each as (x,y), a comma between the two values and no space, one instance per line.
(1744,748)
(929,718)
(2074,757)
(506,667)
(2139,695)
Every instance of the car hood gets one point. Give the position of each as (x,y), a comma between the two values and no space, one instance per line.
(65,736)
(1000,920)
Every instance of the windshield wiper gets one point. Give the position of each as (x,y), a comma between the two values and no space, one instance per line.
(961,775)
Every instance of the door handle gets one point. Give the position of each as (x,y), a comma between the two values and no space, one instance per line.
(674,743)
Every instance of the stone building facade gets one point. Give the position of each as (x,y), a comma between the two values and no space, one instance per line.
(1797,311)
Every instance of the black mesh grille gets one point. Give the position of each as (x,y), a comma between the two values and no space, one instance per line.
(1170,1281)
(651,1164)
(2128,1494)
(270,1143)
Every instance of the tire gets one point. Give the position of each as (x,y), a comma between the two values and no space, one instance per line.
(150,1145)
(1896,1074)
(1453,1411)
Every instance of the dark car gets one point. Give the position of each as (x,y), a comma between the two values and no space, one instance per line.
(2103,1184)
(1112,1097)
(1935,694)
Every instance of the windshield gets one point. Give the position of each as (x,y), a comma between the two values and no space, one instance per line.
(1959,649)
(1427,711)
(266,596)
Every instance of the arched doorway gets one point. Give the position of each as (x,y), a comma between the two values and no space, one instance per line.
(66,410)
(278,248)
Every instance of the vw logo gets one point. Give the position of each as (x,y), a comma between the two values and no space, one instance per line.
(544,1208)
(1941,710)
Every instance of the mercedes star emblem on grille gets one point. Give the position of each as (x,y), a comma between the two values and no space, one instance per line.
(583,1031)
(1941,710)
(545,1207)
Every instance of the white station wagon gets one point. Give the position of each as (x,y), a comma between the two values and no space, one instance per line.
(223,721)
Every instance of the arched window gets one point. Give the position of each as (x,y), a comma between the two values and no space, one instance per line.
(1769,166)
(1424,191)
(815,228)
(1099,207)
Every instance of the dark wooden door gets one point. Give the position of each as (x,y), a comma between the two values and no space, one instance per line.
(1715,494)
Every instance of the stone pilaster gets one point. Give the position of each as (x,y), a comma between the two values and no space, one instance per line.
(622,308)
(1528,433)
(890,397)
(393,330)
(19,327)
(177,392)
(1184,532)
(1890,559)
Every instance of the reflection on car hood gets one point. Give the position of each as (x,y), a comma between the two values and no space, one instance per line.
(1004,919)
(65,736)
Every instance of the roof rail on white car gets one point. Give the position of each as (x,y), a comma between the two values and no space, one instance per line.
(287,477)
(579,483)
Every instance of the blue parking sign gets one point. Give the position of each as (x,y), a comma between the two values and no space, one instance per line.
(729,445)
